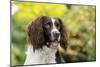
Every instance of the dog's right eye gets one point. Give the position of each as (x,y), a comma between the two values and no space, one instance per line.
(47,25)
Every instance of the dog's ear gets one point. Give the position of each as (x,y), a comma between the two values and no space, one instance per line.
(64,35)
(35,33)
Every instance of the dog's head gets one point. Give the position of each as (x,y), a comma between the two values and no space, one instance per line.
(47,31)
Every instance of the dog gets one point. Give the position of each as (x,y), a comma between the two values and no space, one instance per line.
(45,35)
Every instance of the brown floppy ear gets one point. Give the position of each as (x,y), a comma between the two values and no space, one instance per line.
(35,33)
(64,35)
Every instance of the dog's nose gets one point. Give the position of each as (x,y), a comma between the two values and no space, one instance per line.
(56,35)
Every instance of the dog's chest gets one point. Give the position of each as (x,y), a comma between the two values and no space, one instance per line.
(42,56)
(47,57)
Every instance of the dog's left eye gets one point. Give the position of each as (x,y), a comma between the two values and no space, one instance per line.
(57,25)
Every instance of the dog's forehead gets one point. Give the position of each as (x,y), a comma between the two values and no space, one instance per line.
(54,19)
(50,19)
(46,19)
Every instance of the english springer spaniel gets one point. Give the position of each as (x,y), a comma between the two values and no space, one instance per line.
(45,35)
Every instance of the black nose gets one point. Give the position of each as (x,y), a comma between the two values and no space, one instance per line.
(56,35)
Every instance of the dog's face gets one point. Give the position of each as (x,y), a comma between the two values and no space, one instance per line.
(51,28)
(47,31)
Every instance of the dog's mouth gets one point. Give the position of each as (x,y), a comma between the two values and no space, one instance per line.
(53,44)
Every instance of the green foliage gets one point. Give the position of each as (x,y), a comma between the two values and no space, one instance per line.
(79,21)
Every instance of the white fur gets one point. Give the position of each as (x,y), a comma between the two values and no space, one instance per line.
(54,29)
(40,56)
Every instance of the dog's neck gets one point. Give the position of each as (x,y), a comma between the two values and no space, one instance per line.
(40,56)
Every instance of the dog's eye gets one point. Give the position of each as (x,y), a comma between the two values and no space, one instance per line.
(47,25)
(57,25)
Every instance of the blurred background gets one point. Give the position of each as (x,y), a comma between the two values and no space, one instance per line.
(80,22)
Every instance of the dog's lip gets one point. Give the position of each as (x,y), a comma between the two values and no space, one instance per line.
(49,42)
(55,40)
(54,44)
